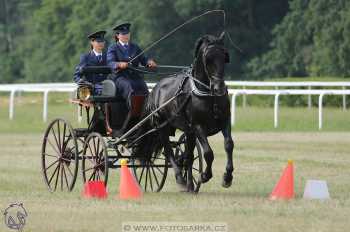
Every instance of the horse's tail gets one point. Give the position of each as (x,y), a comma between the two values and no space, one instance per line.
(147,136)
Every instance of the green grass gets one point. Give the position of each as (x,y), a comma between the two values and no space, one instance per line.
(291,119)
(259,160)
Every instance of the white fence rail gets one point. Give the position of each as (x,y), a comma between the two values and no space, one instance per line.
(278,93)
(47,88)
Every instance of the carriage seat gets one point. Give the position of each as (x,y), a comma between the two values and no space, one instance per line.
(109,93)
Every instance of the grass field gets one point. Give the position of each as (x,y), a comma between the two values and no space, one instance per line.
(260,155)
(259,159)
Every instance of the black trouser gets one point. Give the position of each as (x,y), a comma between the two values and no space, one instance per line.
(130,85)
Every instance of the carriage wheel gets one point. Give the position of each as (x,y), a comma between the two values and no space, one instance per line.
(151,174)
(59,156)
(95,159)
(197,167)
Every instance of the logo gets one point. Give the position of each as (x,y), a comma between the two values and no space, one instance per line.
(15,216)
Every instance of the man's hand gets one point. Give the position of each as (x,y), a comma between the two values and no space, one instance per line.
(151,64)
(122,65)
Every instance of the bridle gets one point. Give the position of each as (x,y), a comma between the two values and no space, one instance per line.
(210,89)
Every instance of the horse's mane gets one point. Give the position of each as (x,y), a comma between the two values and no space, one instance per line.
(206,39)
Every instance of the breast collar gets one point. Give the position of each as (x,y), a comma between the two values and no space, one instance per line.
(198,92)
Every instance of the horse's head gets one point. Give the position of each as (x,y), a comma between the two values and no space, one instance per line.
(210,58)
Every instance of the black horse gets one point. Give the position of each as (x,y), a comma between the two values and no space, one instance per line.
(201,108)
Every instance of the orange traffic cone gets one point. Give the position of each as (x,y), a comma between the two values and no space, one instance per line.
(95,189)
(129,188)
(284,189)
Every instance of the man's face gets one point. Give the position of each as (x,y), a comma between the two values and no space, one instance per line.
(124,37)
(98,45)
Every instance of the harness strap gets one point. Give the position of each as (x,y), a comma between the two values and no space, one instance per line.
(165,123)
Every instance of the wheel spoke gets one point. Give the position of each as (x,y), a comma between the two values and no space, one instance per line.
(65,177)
(53,174)
(91,160)
(92,175)
(150,178)
(92,154)
(59,135)
(155,176)
(99,157)
(160,170)
(54,156)
(68,169)
(97,174)
(54,134)
(93,140)
(58,174)
(64,135)
(67,160)
(61,177)
(98,149)
(86,170)
(51,155)
(143,169)
(146,180)
(51,165)
(102,174)
(58,153)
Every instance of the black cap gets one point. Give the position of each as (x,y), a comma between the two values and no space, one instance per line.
(122,28)
(99,36)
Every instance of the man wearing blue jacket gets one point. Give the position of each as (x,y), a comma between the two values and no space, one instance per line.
(119,55)
(95,57)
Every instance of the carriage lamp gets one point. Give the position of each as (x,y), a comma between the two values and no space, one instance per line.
(84,92)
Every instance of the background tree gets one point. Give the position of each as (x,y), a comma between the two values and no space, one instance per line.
(312,40)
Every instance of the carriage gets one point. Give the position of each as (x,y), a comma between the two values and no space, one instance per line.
(109,137)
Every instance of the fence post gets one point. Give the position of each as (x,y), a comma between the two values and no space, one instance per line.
(45,103)
(244,99)
(233,108)
(80,117)
(320,109)
(276,110)
(309,100)
(344,99)
(12,103)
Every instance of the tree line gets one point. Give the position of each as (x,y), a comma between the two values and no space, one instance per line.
(41,40)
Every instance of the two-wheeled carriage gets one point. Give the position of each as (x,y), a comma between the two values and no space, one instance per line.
(108,138)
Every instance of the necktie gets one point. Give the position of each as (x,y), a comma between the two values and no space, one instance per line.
(99,58)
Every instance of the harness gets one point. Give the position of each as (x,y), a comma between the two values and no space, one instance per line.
(194,92)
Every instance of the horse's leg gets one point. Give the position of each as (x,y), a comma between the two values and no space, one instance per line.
(208,155)
(170,154)
(189,147)
(229,145)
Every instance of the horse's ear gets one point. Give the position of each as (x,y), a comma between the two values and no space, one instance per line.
(227,57)
(222,37)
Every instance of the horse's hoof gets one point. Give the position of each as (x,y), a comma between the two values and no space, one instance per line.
(227,180)
(190,188)
(196,190)
(180,180)
(206,177)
